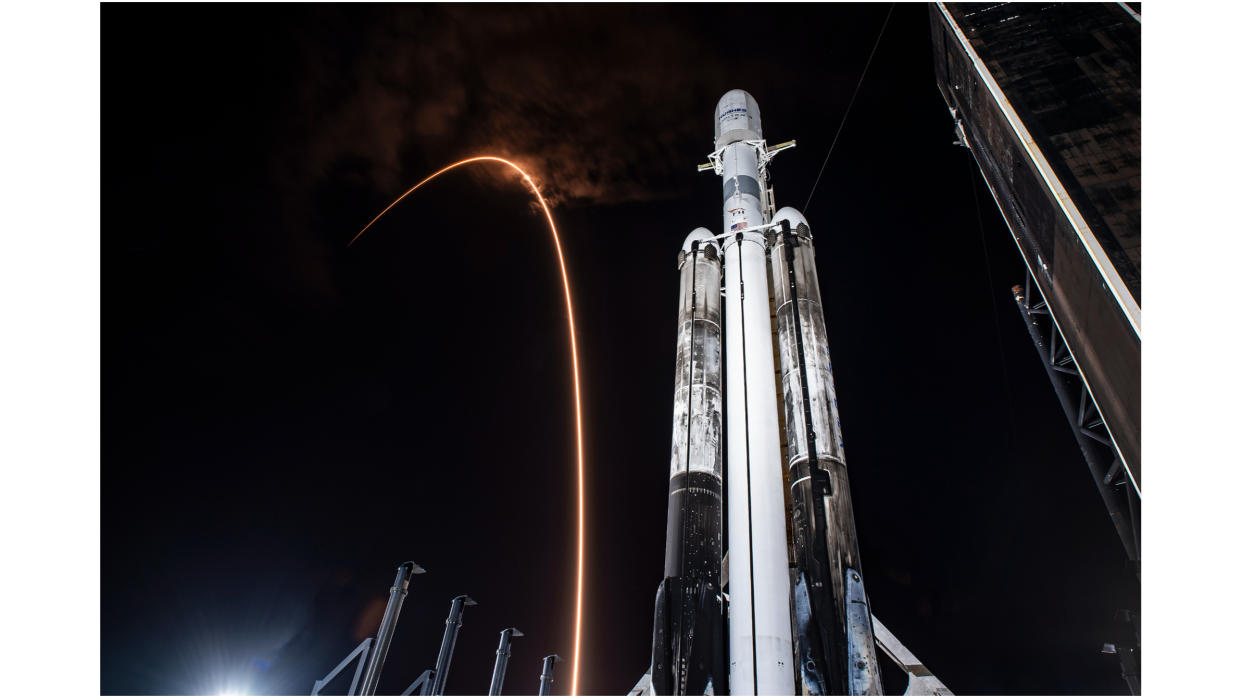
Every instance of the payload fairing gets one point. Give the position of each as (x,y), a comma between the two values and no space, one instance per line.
(793,625)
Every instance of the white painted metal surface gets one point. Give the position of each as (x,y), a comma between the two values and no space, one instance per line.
(642,688)
(921,680)
(760,635)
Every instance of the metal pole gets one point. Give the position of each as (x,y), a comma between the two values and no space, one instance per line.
(1118,509)
(502,660)
(396,596)
(545,677)
(451,625)
(361,653)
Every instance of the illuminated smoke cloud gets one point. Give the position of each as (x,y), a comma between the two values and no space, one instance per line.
(428,85)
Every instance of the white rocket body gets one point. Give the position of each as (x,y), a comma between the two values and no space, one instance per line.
(760,633)
(821,575)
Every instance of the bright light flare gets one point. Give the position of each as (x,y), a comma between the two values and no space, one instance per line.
(573,348)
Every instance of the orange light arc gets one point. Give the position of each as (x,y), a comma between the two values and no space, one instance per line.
(573,347)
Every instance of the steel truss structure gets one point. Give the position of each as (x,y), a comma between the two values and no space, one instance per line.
(1097,446)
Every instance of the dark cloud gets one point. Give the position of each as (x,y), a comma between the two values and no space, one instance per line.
(553,88)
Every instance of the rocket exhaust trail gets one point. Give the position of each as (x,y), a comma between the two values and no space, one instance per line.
(573,347)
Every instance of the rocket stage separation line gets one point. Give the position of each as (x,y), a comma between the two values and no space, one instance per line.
(573,347)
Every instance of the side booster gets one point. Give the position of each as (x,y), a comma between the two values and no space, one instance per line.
(832,615)
(687,655)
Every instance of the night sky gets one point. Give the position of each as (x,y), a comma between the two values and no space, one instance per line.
(286,420)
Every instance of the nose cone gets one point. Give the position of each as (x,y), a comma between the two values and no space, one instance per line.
(795,218)
(737,118)
(702,236)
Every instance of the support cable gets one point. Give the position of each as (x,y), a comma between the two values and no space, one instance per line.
(847,108)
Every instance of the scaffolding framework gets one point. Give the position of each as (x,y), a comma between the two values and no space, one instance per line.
(1094,441)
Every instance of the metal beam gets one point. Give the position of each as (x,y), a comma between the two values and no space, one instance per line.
(1099,451)
(921,680)
(362,650)
(396,597)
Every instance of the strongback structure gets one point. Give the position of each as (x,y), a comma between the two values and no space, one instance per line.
(797,618)
(1046,97)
